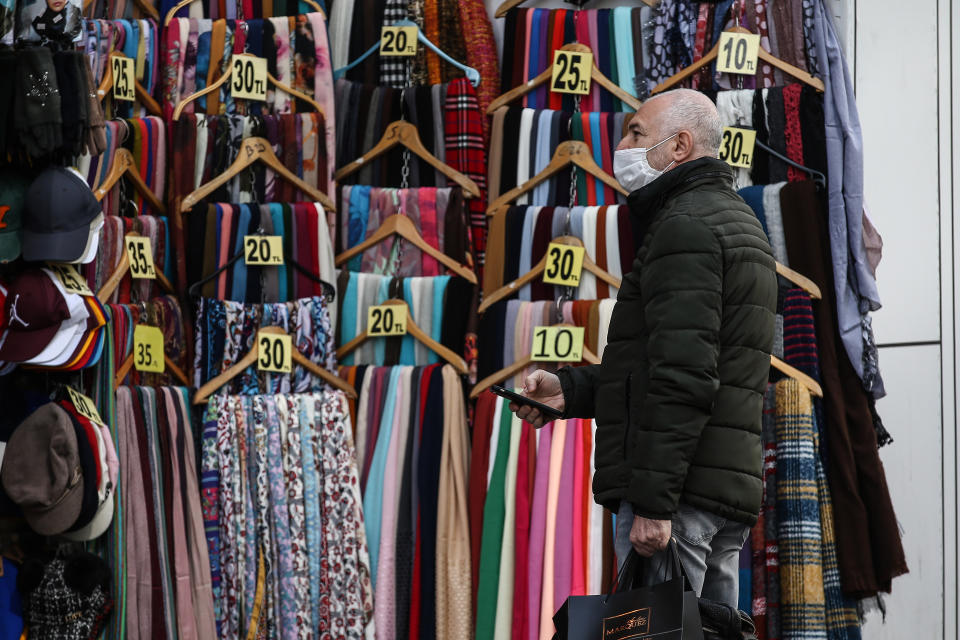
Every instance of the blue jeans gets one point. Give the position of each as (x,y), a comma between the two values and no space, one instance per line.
(709,547)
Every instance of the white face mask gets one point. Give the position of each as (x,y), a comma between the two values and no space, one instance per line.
(631,168)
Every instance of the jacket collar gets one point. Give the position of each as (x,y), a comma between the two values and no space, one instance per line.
(647,201)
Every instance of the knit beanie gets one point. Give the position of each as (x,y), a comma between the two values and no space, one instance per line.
(36,116)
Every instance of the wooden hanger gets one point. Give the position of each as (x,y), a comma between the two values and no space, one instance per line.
(168,366)
(207,390)
(569,152)
(226,76)
(800,280)
(401,225)
(763,55)
(183,3)
(255,149)
(114,280)
(403,133)
(797,375)
(412,329)
(510,4)
(124,165)
(595,76)
(508,372)
(533,274)
(106,88)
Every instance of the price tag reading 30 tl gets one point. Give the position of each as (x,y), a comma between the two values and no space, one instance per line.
(571,72)
(140,255)
(263,250)
(738,53)
(564,265)
(124,78)
(398,41)
(557,344)
(148,349)
(274,352)
(70,278)
(85,406)
(387,320)
(736,146)
(248,79)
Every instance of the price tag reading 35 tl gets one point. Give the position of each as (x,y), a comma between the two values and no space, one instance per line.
(557,344)
(263,250)
(398,41)
(140,255)
(148,349)
(571,72)
(736,146)
(248,79)
(564,264)
(124,78)
(738,53)
(387,320)
(70,278)
(85,406)
(274,352)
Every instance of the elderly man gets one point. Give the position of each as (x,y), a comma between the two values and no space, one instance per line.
(678,396)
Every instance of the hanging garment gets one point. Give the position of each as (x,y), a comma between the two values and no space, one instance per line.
(162,312)
(112,248)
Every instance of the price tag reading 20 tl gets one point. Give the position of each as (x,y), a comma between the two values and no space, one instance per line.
(263,250)
(124,78)
(571,72)
(398,41)
(148,349)
(564,264)
(274,352)
(248,79)
(738,53)
(387,320)
(557,344)
(140,255)
(736,146)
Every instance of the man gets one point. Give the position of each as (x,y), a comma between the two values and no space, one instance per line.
(678,396)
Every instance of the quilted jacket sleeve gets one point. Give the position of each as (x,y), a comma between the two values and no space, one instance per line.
(579,386)
(681,284)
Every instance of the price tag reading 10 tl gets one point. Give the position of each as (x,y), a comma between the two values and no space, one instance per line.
(387,320)
(274,352)
(248,79)
(571,72)
(738,53)
(564,264)
(736,146)
(557,344)
(398,41)
(124,78)
(263,250)
(140,255)
(148,349)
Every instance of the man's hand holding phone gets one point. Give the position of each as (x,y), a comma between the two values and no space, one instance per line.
(543,387)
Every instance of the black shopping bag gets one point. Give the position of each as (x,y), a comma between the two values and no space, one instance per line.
(667,611)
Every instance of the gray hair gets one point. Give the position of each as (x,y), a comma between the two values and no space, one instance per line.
(693,111)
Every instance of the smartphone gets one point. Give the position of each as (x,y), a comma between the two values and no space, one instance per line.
(545,410)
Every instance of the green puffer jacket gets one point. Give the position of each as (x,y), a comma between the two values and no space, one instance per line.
(678,396)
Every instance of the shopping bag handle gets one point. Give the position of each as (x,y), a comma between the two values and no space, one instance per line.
(629,571)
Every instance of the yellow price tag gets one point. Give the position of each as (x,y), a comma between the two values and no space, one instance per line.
(557,344)
(248,79)
(571,72)
(70,278)
(398,41)
(736,146)
(738,53)
(387,320)
(124,78)
(275,352)
(564,265)
(140,255)
(85,406)
(148,349)
(263,250)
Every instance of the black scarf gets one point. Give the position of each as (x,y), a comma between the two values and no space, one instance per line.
(36,109)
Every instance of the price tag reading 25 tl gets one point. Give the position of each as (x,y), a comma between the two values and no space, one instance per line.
(564,264)
(248,79)
(736,146)
(557,344)
(124,78)
(263,250)
(70,278)
(274,352)
(398,41)
(387,320)
(571,72)
(148,349)
(140,255)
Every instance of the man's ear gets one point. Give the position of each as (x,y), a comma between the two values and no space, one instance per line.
(683,147)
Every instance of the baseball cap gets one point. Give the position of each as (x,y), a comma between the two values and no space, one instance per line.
(101,479)
(34,310)
(42,471)
(13,191)
(58,213)
(71,331)
(88,465)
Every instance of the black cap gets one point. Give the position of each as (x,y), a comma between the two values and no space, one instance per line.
(58,211)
